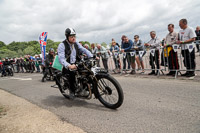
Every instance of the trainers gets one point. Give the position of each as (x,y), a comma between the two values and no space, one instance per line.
(185,74)
(190,75)
(132,72)
(170,73)
(142,72)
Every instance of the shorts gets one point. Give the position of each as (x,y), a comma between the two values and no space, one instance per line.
(140,57)
(130,58)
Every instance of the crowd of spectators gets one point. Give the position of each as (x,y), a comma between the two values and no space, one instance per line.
(162,53)
(28,64)
(165,50)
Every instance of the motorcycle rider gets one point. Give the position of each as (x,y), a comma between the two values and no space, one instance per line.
(48,63)
(6,63)
(68,53)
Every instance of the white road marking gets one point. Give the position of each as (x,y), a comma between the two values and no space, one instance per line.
(21,78)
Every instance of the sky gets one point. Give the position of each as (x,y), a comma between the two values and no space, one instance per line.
(95,21)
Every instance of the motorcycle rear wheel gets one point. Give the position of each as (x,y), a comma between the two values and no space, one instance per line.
(11,73)
(63,86)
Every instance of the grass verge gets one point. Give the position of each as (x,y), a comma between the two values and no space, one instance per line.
(2,111)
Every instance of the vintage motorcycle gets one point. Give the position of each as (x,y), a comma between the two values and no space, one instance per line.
(9,71)
(95,81)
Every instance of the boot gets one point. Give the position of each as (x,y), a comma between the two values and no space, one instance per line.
(152,73)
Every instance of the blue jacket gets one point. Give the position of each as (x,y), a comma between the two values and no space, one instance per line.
(127,46)
(116,48)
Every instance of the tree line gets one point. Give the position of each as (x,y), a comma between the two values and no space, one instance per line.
(19,49)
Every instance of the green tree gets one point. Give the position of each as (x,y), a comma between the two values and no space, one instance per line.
(36,46)
(7,53)
(104,44)
(29,51)
(15,46)
(49,45)
(2,44)
(20,53)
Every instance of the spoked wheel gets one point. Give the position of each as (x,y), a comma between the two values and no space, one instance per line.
(110,93)
(11,73)
(63,86)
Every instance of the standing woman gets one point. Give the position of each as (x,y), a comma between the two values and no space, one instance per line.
(114,49)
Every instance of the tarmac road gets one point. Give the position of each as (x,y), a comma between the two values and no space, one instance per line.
(151,105)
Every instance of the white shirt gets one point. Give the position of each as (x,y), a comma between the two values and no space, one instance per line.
(186,34)
(154,43)
(61,54)
(171,38)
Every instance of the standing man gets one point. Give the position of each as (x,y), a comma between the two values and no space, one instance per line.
(186,37)
(125,59)
(197,31)
(101,51)
(37,64)
(126,48)
(87,47)
(154,44)
(139,46)
(171,38)
(68,53)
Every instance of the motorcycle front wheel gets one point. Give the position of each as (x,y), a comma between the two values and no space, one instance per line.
(110,93)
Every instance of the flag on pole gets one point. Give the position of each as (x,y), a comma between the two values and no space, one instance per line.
(43,42)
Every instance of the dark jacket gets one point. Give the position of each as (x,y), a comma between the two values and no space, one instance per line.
(49,60)
(198,34)
(6,63)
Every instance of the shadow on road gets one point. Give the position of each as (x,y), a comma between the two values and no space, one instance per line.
(59,101)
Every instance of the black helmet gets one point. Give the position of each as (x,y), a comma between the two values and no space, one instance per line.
(69,32)
(51,50)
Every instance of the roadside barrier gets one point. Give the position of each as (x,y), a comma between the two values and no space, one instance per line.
(172,58)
